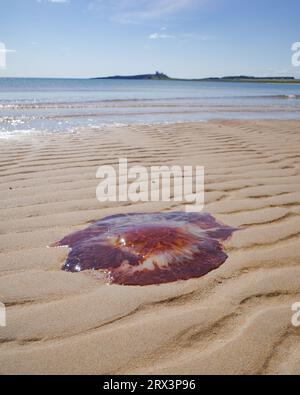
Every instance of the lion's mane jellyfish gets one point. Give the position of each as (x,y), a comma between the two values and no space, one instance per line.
(144,249)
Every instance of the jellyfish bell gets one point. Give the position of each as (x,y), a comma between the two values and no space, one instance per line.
(148,248)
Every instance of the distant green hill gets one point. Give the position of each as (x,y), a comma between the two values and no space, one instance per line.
(238,78)
(244,78)
(156,76)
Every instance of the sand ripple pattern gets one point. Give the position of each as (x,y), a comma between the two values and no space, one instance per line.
(235,320)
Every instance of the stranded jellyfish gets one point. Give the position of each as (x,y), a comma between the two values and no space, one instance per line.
(144,249)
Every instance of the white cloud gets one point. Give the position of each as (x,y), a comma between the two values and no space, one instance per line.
(55,1)
(180,36)
(134,11)
(156,36)
(154,9)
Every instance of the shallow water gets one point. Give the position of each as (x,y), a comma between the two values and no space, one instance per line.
(65,104)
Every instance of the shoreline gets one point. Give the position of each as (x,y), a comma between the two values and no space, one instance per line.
(98,128)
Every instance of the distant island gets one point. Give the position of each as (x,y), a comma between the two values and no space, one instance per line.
(236,78)
(156,76)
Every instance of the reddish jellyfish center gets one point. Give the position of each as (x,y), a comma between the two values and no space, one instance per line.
(152,239)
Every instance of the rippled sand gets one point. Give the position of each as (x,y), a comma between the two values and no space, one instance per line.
(235,320)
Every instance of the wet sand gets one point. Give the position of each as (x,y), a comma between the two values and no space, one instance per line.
(234,320)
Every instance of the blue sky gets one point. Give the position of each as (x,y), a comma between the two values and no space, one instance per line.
(183,38)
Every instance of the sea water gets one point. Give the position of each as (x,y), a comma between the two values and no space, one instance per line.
(62,105)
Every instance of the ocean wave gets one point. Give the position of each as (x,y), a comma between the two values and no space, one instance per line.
(139,102)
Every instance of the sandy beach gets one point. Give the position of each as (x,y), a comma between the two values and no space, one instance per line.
(234,320)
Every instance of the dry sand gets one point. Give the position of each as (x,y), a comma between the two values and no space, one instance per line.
(235,320)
